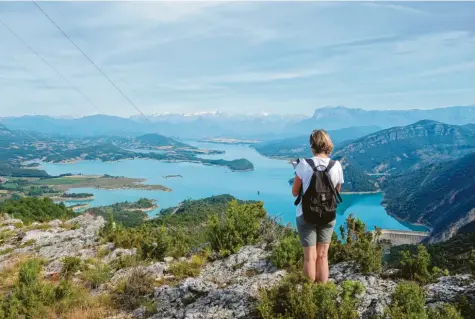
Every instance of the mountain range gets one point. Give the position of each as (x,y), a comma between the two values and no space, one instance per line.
(216,124)
(298,146)
(403,148)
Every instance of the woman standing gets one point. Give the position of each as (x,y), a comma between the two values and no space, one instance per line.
(315,236)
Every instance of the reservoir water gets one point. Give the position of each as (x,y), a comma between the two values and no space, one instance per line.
(269,178)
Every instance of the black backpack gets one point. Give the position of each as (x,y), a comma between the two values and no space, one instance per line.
(320,200)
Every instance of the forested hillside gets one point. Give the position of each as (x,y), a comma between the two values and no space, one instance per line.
(441,195)
(403,148)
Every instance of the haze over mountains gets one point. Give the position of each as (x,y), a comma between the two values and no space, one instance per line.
(216,124)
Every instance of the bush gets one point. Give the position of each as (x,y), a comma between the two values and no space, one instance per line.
(444,312)
(296,297)
(126,261)
(408,302)
(134,291)
(358,245)
(415,266)
(184,269)
(70,266)
(31,297)
(288,253)
(151,242)
(97,274)
(239,226)
(467,308)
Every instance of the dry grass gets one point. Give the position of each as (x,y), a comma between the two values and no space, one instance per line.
(9,273)
(97,307)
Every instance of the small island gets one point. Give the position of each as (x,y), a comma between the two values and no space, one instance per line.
(172,176)
(142,205)
(74,197)
(224,140)
(79,207)
(100,182)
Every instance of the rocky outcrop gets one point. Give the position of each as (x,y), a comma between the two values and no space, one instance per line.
(75,237)
(377,294)
(225,289)
(449,288)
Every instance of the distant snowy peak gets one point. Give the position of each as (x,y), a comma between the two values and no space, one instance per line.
(217,115)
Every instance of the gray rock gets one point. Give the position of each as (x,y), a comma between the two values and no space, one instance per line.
(377,293)
(11,221)
(55,223)
(62,242)
(119,252)
(225,289)
(53,267)
(449,288)
(139,313)
(7,228)
(168,259)
(155,270)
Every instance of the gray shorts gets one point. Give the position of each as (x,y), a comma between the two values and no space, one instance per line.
(311,234)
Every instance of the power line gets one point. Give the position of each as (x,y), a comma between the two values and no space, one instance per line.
(50,66)
(92,62)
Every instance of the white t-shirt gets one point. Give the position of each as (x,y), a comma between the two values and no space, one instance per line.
(305,172)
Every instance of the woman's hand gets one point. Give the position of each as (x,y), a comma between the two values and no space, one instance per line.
(296,186)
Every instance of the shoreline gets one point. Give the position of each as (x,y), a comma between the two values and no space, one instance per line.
(145,210)
(361,193)
(75,199)
(401,220)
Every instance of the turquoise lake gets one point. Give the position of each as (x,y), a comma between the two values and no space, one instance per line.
(270,177)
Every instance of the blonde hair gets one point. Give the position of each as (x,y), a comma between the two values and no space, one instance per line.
(320,142)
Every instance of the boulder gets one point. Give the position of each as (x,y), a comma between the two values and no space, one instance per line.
(119,252)
(55,223)
(449,288)
(225,288)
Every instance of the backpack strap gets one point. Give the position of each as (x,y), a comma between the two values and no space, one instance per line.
(311,163)
(329,180)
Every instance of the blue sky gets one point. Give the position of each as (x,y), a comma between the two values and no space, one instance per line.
(238,57)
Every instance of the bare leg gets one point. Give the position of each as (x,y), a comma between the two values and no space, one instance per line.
(309,260)
(322,263)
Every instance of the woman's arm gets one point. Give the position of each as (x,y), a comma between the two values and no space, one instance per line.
(338,187)
(296,186)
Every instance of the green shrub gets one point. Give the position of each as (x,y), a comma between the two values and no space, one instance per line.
(415,266)
(408,302)
(288,253)
(97,274)
(126,261)
(184,269)
(31,297)
(70,266)
(444,312)
(134,291)
(467,308)
(151,242)
(357,245)
(296,297)
(239,226)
